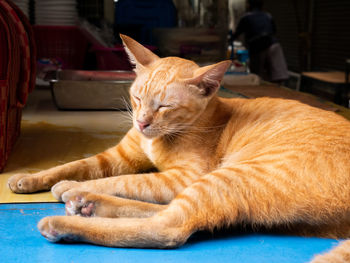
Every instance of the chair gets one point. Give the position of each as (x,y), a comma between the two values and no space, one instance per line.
(17,73)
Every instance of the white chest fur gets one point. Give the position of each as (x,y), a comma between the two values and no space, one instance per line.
(148,148)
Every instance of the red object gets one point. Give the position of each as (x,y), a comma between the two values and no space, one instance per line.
(113,58)
(186,50)
(17,73)
(68,44)
(93,75)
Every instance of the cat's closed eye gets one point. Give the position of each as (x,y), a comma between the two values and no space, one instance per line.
(136,98)
(164,107)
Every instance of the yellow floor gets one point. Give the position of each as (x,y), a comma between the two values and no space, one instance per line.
(50,137)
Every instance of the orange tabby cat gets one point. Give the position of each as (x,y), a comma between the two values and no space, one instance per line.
(265,162)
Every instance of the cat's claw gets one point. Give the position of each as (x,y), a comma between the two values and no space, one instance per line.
(79,205)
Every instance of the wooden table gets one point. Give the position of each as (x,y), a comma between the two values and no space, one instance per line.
(337,79)
(275,91)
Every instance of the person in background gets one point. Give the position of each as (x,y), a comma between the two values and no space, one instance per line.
(266,55)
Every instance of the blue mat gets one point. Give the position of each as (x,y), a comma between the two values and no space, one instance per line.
(20,241)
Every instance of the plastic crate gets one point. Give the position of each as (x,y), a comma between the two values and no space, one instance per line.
(114,58)
(68,44)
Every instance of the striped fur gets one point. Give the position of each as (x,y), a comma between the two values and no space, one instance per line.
(218,162)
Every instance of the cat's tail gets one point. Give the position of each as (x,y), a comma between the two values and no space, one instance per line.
(340,254)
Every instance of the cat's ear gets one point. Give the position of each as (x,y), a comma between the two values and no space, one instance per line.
(208,78)
(138,54)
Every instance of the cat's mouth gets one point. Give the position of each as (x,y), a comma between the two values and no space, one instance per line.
(148,131)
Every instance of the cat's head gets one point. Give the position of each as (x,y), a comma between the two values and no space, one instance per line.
(169,94)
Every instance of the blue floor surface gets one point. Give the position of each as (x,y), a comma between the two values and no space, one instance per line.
(20,241)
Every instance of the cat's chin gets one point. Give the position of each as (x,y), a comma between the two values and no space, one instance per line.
(149,134)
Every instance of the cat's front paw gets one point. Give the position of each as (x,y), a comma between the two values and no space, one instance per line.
(81,204)
(53,229)
(25,183)
(60,190)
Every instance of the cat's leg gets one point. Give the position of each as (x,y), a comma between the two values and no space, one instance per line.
(160,187)
(115,232)
(213,200)
(217,199)
(127,157)
(153,187)
(90,204)
(205,204)
(193,209)
(226,196)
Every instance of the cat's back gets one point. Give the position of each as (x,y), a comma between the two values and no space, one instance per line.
(271,115)
(270,122)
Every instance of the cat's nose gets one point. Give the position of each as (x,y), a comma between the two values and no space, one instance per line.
(143,124)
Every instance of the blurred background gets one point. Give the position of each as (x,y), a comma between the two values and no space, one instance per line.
(313,33)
